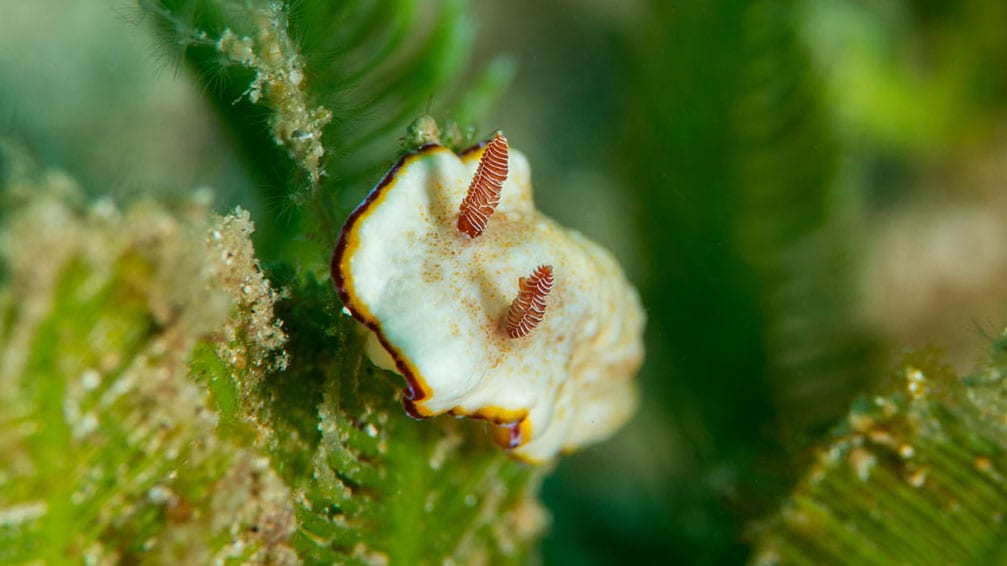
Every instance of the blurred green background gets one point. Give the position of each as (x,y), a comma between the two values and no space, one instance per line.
(799,189)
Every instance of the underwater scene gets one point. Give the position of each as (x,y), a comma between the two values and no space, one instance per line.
(454,282)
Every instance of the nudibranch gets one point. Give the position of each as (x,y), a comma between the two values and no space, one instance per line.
(488,308)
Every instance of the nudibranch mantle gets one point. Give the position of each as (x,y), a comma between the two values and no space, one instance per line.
(435,301)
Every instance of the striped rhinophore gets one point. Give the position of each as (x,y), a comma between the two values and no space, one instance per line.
(528,308)
(484,193)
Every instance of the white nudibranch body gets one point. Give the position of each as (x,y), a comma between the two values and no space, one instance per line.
(442,305)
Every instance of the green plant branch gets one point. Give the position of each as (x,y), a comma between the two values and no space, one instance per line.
(793,225)
(338,80)
(914,475)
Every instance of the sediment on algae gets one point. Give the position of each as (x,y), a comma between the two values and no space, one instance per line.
(914,475)
(165,397)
